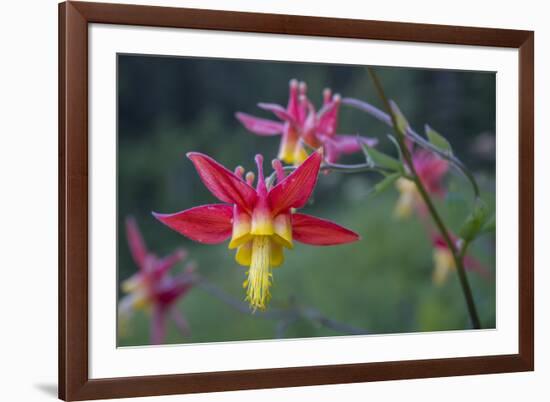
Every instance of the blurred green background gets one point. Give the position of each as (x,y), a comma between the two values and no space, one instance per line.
(168,106)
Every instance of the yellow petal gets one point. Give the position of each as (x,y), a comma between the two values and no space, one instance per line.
(131,284)
(404,207)
(283,230)
(277,255)
(141,301)
(443,265)
(241,228)
(407,197)
(262,223)
(239,240)
(244,254)
(300,154)
(405,185)
(286,156)
(288,144)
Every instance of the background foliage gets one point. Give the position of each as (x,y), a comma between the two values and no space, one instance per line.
(168,106)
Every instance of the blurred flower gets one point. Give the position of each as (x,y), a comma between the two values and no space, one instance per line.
(259,221)
(444,262)
(300,124)
(430,169)
(152,288)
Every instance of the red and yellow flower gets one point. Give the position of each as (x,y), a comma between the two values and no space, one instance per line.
(152,288)
(301,124)
(260,222)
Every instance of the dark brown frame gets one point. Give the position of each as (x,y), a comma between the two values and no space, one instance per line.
(74,17)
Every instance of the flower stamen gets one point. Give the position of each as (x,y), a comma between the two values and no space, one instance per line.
(239,171)
(250,176)
(279,171)
(259,275)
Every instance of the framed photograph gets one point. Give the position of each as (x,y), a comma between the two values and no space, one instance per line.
(258,200)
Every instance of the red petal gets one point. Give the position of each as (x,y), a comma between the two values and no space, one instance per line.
(293,106)
(172,288)
(277,110)
(345,144)
(135,242)
(320,232)
(258,125)
(209,224)
(222,182)
(431,170)
(296,188)
(351,143)
(169,261)
(328,116)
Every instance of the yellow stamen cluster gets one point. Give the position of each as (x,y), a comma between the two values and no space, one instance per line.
(259,275)
(260,241)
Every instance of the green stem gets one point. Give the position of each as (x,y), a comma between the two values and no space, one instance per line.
(332,167)
(458,256)
(357,168)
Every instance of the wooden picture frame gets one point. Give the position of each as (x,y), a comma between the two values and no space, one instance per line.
(74,381)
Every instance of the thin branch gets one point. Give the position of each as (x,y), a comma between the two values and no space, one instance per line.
(282,327)
(333,167)
(356,168)
(285,316)
(315,316)
(242,307)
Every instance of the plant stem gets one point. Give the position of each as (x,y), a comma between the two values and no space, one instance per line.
(332,167)
(356,168)
(458,256)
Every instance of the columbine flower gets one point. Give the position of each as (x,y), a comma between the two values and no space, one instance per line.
(300,124)
(259,221)
(152,288)
(444,262)
(430,169)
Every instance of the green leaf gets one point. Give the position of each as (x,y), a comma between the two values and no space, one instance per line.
(396,144)
(489,226)
(386,182)
(438,140)
(475,221)
(379,159)
(402,123)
